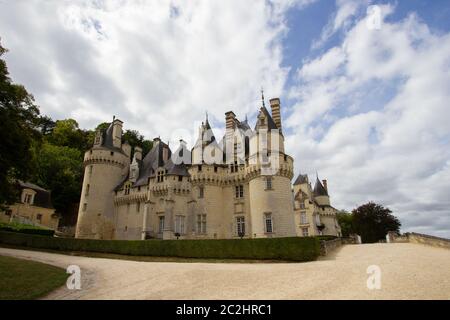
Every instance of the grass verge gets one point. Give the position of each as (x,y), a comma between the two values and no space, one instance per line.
(26,280)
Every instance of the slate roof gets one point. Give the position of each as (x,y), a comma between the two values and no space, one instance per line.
(42,198)
(154,160)
(319,189)
(301,178)
(270,123)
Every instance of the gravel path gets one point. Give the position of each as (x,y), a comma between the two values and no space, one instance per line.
(408,271)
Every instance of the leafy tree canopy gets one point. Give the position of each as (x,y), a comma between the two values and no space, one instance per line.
(373,221)
(60,169)
(345,220)
(18,116)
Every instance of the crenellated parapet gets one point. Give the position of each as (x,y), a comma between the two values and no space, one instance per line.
(130,198)
(113,158)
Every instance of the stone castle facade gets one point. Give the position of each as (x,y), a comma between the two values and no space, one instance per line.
(239,187)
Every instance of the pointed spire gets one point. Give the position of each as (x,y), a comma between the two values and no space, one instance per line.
(319,189)
(262,97)
(206,116)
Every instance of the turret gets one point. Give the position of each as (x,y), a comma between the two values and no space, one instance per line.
(271,205)
(106,165)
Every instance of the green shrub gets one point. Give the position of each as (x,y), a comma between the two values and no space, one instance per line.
(25,228)
(294,249)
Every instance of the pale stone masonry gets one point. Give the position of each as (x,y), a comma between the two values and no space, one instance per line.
(34,207)
(238,187)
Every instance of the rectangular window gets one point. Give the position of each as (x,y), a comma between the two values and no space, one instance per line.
(303,218)
(28,198)
(268,183)
(201,223)
(180,178)
(127,189)
(138,207)
(318,219)
(201,192)
(268,222)
(239,191)
(215,169)
(240,226)
(90,170)
(161,224)
(199,168)
(87,189)
(84,206)
(305,232)
(160,177)
(39,217)
(179,224)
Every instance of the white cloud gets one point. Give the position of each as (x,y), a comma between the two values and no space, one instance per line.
(372,116)
(341,19)
(157,65)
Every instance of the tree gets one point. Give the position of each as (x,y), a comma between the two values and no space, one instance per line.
(45,124)
(373,221)
(134,138)
(345,220)
(66,133)
(18,118)
(60,169)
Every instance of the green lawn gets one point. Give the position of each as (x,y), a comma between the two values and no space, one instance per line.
(25,280)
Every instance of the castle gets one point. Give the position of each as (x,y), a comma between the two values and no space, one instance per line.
(239,187)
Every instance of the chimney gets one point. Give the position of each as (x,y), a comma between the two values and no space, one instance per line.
(117,133)
(325,185)
(276,115)
(126,148)
(138,153)
(230,118)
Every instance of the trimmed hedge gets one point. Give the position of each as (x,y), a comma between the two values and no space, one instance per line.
(326,238)
(24,228)
(294,249)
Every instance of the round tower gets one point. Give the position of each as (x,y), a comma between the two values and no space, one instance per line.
(271,171)
(106,165)
(271,206)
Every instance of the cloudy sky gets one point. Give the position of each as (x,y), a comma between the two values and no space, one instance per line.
(366,104)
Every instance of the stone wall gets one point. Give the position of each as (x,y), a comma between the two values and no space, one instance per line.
(328,246)
(428,240)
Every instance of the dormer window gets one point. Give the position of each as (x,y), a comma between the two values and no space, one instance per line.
(160,176)
(28,196)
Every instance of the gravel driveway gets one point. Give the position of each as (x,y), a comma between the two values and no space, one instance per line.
(408,271)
